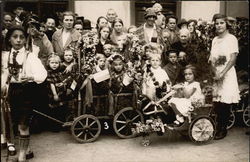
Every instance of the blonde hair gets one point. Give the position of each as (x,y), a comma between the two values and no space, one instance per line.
(53,56)
(155,56)
(99,56)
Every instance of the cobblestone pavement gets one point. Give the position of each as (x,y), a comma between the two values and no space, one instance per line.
(61,147)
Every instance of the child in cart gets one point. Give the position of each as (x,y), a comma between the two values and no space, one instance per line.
(185,96)
(57,84)
(73,77)
(118,83)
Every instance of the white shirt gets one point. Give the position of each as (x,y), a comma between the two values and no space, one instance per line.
(149,31)
(65,37)
(32,67)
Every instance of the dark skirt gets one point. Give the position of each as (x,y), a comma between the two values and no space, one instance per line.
(22,98)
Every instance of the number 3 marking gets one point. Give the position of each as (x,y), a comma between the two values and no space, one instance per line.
(106,126)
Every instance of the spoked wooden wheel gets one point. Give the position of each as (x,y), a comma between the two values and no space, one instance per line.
(231,120)
(124,120)
(246,116)
(86,128)
(202,130)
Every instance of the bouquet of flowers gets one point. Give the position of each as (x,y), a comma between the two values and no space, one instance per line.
(89,40)
(135,71)
(221,60)
(135,50)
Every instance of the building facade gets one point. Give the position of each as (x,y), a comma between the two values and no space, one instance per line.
(132,12)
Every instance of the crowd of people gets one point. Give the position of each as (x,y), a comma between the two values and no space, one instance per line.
(45,64)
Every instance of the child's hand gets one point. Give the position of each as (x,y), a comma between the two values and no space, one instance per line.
(177,86)
(56,97)
(68,69)
(68,92)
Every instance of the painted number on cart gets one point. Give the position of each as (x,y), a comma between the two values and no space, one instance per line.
(106,126)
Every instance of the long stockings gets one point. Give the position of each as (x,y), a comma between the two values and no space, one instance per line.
(222,111)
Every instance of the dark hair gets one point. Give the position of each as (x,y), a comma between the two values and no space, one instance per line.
(171,16)
(117,20)
(99,31)
(221,16)
(98,21)
(193,68)
(10,32)
(78,22)
(172,51)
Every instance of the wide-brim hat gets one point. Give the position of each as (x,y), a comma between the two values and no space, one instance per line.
(182,22)
(150,12)
(192,20)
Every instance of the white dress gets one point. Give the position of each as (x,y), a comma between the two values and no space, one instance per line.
(225,90)
(185,105)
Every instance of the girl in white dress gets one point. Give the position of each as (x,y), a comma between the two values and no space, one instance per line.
(188,95)
(223,56)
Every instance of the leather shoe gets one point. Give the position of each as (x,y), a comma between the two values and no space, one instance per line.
(29,155)
(220,134)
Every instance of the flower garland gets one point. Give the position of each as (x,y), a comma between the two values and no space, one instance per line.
(89,52)
(160,90)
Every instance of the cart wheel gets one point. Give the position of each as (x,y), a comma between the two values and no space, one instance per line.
(124,120)
(86,128)
(246,116)
(231,120)
(202,130)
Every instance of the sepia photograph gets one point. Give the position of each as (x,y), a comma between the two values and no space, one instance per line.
(124,81)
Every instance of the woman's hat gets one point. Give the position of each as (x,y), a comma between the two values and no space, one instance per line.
(86,24)
(182,22)
(192,20)
(150,12)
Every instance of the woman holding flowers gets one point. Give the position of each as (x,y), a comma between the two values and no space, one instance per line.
(223,57)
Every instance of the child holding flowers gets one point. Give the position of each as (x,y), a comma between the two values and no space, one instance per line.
(188,95)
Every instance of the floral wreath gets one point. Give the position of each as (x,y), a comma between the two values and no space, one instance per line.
(159,89)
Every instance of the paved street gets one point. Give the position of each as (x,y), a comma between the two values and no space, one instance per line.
(61,147)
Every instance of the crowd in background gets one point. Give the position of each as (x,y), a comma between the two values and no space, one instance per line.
(155,56)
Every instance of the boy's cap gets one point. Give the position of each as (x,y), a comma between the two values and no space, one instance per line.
(150,12)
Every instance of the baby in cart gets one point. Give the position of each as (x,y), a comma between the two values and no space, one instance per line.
(186,96)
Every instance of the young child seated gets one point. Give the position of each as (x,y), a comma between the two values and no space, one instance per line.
(57,88)
(100,88)
(172,68)
(188,95)
(56,80)
(155,79)
(117,68)
(117,72)
(100,63)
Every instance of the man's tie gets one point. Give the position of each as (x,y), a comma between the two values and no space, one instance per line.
(14,57)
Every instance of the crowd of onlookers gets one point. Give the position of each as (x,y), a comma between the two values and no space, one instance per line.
(156,57)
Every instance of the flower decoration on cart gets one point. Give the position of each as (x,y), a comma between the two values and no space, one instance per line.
(89,41)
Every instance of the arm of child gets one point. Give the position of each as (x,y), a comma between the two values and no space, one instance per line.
(189,93)
(69,68)
(53,89)
(166,97)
